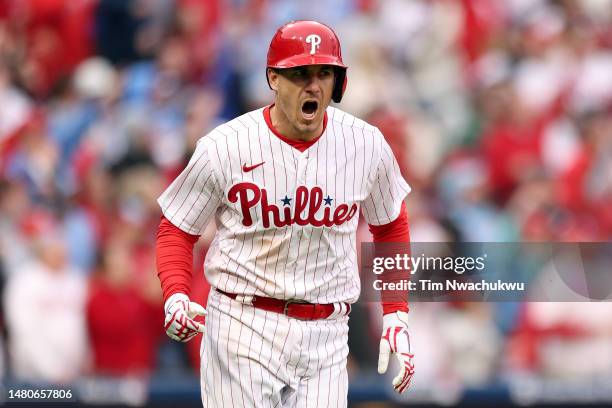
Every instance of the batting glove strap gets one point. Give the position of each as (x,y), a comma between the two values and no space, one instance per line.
(180,312)
(395,340)
(177,297)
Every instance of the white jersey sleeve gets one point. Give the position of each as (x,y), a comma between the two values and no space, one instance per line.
(387,189)
(194,196)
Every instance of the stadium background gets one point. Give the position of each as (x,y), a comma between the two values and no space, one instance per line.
(500,113)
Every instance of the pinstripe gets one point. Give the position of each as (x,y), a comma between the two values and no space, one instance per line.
(274,337)
(275,194)
(242,123)
(294,274)
(341,392)
(390,185)
(259,357)
(355,156)
(356,195)
(286,295)
(389,171)
(193,204)
(332,372)
(345,237)
(282,351)
(319,361)
(219,158)
(325,297)
(230,304)
(373,205)
(339,375)
(274,232)
(321,234)
(250,359)
(227,358)
(335,141)
(319,268)
(204,370)
(293,350)
(382,196)
(222,382)
(374,187)
(343,380)
(240,383)
(324,136)
(263,230)
(204,373)
(363,178)
(242,241)
(190,190)
(210,366)
(286,189)
(331,366)
(255,121)
(308,372)
(266,264)
(184,176)
(216,361)
(227,276)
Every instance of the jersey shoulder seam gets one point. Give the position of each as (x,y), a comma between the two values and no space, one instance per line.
(237,125)
(347,120)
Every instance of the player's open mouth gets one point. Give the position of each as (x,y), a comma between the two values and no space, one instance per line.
(309,109)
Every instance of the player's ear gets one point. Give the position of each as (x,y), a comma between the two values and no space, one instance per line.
(272,76)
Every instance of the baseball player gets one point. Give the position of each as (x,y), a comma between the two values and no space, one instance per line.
(285,185)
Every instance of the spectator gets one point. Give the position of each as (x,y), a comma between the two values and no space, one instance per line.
(45,315)
(56,36)
(123,326)
(586,187)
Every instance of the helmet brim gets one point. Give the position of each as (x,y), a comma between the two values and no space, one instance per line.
(304,60)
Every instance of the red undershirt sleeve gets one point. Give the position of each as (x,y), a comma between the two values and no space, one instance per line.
(174,255)
(174,258)
(395,231)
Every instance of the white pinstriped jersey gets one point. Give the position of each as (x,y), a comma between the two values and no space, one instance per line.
(286,220)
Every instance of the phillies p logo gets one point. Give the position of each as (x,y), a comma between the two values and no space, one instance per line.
(314,41)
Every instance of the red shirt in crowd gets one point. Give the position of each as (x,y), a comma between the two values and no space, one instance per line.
(123,328)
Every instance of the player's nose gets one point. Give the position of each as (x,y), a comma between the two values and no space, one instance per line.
(313,82)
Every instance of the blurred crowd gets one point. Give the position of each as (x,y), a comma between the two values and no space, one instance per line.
(499,112)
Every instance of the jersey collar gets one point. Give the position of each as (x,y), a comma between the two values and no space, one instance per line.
(301,145)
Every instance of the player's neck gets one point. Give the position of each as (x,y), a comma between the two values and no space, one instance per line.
(283,126)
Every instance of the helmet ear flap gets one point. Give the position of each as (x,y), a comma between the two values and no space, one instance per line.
(268,78)
(339,85)
(268,69)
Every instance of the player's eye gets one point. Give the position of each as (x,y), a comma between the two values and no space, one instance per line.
(326,72)
(298,73)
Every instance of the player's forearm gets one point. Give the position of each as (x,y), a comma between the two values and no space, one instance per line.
(174,258)
(395,231)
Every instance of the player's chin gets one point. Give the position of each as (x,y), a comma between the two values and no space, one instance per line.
(307,126)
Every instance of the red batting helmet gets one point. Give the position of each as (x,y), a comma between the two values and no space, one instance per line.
(300,43)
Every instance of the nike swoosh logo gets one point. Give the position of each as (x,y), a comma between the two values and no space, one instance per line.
(246,168)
